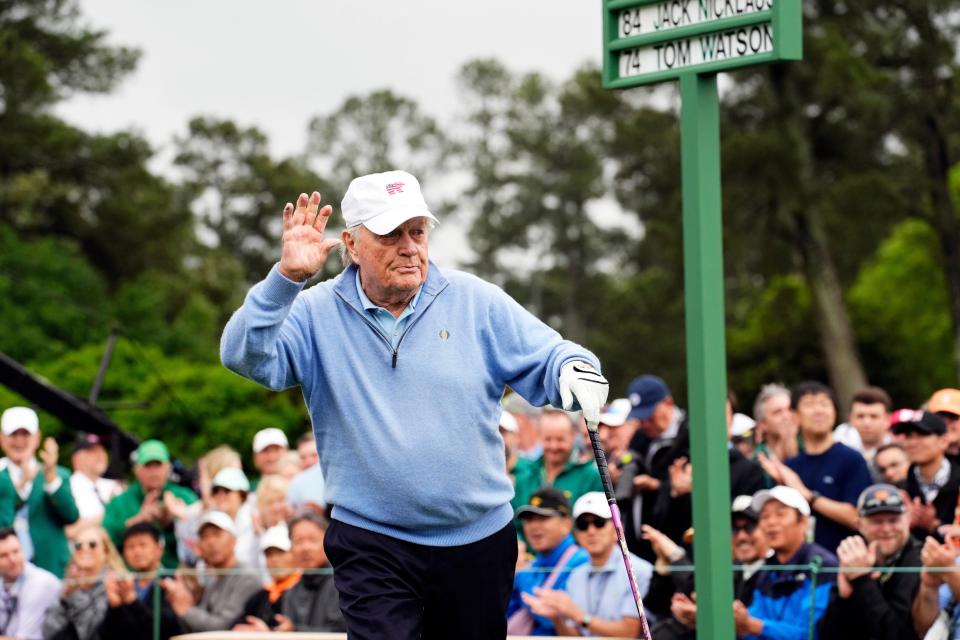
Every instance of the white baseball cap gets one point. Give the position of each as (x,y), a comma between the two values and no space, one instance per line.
(508,422)
(269,436)
(786,495)
(593,502)
(741,425)
(615,413)
(16,418)
(231,478)
(218,519)
(383,201)
(276,537)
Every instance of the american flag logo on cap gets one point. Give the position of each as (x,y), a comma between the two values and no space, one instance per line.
(394,188)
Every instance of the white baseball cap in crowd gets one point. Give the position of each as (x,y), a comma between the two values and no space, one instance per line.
(218,519)
(16,418)
(508,422)
(786,495)
(276,537)
(269,436)
(593,502)
(615,414)
(383,201)
(741,426)
(231,478)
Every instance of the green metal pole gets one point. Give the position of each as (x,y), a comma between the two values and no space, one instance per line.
(157,604)
(706,352)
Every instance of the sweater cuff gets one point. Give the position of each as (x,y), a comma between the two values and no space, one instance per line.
(279,289)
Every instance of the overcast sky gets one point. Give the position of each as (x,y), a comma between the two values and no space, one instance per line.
(275,64)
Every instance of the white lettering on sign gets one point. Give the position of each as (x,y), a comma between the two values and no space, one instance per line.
(671,14)
(704,49)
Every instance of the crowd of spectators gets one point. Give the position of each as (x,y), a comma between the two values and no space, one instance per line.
(872,503)
(847,530)
(84,557)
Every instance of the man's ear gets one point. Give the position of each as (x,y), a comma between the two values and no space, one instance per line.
(348,241)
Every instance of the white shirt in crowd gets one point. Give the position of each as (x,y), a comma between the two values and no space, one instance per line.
(24,603)
(91,497)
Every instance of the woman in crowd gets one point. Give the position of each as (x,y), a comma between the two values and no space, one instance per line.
(83,602)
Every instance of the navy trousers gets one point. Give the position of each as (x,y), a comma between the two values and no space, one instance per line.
(392,589)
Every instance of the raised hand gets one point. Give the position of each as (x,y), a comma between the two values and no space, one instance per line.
(304,248)
(49,455)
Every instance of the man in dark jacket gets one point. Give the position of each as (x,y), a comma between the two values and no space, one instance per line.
(264,609)
(313,603)
(131,600)
(933,481)
(875,605)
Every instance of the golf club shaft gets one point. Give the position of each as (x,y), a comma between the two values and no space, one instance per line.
(617,524)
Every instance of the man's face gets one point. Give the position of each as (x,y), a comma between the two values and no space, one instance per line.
(615,440)
(596,540)
(394,265)
(872,421)
(11,558)
(778,419)
(659,421)
(306,540)
(142,553)
(558,436)
(308,454)
(152,475)
(889,530)
(280,563)
(783,526)
(923,448)
(267,461)
(20,445)
(952,421)
(749,543)
(216,545)
(545,533)
(91,461)
(892,464)
(228,501)
(816,415)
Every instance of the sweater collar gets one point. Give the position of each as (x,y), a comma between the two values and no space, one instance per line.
(346,286)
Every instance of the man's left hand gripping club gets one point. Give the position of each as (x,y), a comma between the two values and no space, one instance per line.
(582,387)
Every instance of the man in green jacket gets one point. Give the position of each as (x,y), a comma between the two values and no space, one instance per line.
(557,467)
(35,498)
(149,499)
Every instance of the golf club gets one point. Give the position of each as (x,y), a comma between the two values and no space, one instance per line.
(617,524)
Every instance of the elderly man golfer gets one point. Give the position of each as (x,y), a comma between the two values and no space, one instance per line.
(402,368)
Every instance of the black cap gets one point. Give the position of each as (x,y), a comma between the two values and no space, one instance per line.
(922,422)
(546,502)
(87,440)
(880,498)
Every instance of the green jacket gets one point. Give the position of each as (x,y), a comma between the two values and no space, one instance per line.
(576,479)
(47,515)
(127,504)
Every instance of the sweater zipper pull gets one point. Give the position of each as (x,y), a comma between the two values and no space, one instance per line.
(394,366)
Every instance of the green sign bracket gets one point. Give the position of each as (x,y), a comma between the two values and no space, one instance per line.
(652,41)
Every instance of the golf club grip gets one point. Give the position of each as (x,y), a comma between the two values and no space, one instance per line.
(601,459)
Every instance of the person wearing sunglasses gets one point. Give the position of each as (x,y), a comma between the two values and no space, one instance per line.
(875,605)
(750,550)
(597,600)
(547,527)
(82,607)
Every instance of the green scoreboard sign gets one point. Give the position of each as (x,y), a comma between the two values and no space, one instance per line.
(649,41)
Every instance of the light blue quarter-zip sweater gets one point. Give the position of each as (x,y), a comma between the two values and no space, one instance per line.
(407,436)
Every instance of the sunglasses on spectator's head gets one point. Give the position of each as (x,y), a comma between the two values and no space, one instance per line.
(746,526)
(89,544)
(585,522)
(946,415)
